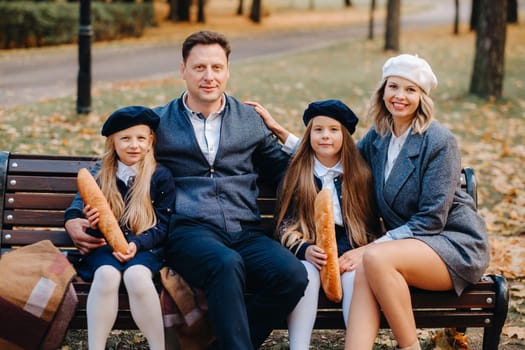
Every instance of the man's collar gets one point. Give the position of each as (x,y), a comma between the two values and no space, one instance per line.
(185,96)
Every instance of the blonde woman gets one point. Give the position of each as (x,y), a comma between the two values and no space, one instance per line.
(327,157)
(435,240)
(141,194)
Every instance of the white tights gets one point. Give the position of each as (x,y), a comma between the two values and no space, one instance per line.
(302,319)
(102,305)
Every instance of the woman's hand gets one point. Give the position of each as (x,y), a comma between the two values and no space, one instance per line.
(92,215)
(130,254)
(316,256)
(350,260)
(272,124)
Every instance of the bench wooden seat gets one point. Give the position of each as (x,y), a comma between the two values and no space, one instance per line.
(36,189)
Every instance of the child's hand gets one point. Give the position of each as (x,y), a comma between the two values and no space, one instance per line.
(316,256)
(130,254)
(92,215)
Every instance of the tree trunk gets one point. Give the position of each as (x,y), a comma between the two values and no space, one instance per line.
(371,20)
(512,11)
(487,75)
(240,8)
(200,11)
(393,16)
(179,10)
(456,17)
(348,3)
(474,14)
(172,15)
(255,13)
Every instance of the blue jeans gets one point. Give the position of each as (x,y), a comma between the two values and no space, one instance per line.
(226,265)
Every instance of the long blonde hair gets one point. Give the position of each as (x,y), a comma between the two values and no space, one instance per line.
(383,121)
(298,191)
(137,213)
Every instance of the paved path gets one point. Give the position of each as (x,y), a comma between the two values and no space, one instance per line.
(32,75)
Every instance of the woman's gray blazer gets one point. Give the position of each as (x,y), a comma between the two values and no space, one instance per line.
(423,199)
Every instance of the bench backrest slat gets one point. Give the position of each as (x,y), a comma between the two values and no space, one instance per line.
(53,184)
(21,237)
(48,201)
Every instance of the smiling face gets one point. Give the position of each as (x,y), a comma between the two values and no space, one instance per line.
(206,73)
(326,139)
(132,144)
(402,98)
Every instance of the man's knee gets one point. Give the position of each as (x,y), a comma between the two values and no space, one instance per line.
(295,278)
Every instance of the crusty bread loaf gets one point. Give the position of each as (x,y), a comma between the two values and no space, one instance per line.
(325,238)
(108,224)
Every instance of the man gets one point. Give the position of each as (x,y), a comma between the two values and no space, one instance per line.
(216,147)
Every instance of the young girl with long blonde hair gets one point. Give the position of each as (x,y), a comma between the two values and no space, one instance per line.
(326,157)
(141,194)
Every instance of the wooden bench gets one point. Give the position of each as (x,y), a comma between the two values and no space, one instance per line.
(35,190)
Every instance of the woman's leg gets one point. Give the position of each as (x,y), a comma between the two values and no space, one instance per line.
(390,269)
(347,281)
(364,316)
(145,305)
(102,306)
(301,320)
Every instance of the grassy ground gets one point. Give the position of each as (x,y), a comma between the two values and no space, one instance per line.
(490,132)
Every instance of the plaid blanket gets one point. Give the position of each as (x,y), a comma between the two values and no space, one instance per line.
(37,300)
(184,311)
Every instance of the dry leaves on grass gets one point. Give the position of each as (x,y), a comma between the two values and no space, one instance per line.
(507,256)
(450,339)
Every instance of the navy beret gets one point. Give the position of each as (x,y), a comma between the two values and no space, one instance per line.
(127,117)
(333,109)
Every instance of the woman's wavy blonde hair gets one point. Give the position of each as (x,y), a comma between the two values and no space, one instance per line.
(382,118)
(298,190)
(135,212)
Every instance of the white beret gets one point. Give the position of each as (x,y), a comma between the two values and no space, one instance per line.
(413,68)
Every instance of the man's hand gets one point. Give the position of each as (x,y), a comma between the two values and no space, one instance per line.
(76,228)
(277,129)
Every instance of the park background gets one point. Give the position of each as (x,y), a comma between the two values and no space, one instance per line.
(490,131)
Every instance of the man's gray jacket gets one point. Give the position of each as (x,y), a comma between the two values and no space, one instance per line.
(222,194)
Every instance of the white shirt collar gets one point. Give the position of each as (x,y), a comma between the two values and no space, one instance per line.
(213,114)
(320,170)
(125,171)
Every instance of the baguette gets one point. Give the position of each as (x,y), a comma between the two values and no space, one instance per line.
(108,224)
(325,238)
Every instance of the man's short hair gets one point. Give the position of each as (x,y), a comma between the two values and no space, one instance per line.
(205,37)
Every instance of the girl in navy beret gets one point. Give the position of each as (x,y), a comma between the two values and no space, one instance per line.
(141,194)
(326,157)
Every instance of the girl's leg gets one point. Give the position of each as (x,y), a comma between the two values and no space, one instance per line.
(301,320)
(102,306)
(145,305)
(390,269)
(364,316)
(347,281)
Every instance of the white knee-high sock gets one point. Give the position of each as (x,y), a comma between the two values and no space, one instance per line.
(301,320)
(102,306)
(144,304)
(347,281)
